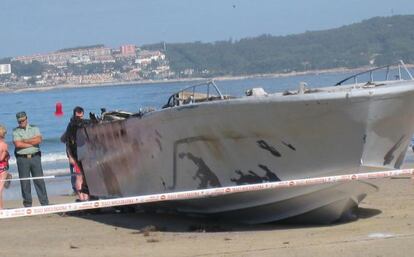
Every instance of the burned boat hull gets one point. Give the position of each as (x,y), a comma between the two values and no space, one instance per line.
(317,204)
(254,140)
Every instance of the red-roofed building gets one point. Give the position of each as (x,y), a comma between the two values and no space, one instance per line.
(128,50)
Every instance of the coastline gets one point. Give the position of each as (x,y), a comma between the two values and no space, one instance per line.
(180,80)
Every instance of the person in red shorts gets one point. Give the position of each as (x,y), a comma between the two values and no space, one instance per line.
(4,164)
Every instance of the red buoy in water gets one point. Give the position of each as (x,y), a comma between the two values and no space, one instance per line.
(58,111)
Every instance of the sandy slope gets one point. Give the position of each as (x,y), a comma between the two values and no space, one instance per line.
(385,228)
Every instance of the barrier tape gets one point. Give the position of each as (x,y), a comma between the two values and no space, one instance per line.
(193,194)
(31,178)
(44,177)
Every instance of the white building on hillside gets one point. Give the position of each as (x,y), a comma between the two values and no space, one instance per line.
(5,69)
(146,57)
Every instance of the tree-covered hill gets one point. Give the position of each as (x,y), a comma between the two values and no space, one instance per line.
(377,41)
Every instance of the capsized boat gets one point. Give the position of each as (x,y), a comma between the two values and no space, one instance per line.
(203,139)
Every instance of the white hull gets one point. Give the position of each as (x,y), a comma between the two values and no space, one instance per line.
(313,204)
(252,140)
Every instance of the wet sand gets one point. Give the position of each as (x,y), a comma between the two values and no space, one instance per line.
(385,227)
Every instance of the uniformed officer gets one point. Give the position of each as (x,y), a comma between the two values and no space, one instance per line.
(26,139)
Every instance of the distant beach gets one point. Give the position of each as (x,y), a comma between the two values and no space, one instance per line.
(182,80)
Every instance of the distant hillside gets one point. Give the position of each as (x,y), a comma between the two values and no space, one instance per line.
(379,41)
(80,47)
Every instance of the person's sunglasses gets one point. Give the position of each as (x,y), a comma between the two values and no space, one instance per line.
(21,121)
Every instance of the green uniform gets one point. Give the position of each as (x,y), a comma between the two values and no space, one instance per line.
(26,133)
(29,164)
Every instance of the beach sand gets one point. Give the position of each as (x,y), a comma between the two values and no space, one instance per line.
(385,228)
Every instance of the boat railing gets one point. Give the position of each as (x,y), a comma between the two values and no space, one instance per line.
(202,92)
(400,65)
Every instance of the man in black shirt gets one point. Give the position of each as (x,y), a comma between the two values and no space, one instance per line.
(76,122)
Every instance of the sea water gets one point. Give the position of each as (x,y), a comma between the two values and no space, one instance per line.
(40,108)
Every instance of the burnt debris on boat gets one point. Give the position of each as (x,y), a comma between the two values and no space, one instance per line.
(203,139)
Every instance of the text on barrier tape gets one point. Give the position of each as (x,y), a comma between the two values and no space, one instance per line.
(193,194)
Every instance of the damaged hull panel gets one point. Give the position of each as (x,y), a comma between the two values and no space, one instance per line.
(254,139)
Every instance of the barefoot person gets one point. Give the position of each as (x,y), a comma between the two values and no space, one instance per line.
(4,163)
(26,139)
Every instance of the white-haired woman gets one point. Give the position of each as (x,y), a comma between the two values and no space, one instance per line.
(4,162)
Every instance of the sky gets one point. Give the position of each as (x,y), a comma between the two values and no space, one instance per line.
(41,26)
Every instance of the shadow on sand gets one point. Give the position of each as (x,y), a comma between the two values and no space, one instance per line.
(366,213)
(140,221)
